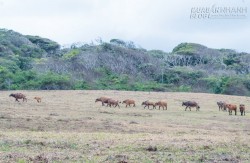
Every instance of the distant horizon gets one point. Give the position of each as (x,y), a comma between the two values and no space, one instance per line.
(138,46)
(159,24)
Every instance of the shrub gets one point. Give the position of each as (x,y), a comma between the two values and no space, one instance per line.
(52,81)
(24,63)
(71,54)
(78,85)
(183,88)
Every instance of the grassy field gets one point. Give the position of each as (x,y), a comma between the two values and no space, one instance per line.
(68,126)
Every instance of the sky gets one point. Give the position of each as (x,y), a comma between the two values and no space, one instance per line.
(150,24)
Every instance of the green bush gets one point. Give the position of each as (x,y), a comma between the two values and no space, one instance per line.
(18,80)
(71,54)
(237,85)
(53,81)
(47,45)
(9,65)
(189,49)
(179,76)
(148,86)
(24,63)
(234,85)
(217,85)
(113,81)
(231,59)
(79,85)
(183,88)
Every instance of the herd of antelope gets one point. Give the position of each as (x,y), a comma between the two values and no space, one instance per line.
(162,104)
(231,107)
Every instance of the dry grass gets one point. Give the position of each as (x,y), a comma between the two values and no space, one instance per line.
(68,126)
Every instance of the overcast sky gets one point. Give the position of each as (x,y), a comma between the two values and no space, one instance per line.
(151,24)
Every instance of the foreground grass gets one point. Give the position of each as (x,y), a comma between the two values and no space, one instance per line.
(175,146)
(69,127)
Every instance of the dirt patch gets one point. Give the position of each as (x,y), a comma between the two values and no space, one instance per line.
(151,148)
(139,115)
(106,112)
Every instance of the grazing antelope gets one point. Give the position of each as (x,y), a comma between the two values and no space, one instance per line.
(129,102)
(162,104)
(147,103)
(242,109)
(38,99)
(231,107)
(103,100)
(114,103)
(222,106)
(190,104)
(18,96)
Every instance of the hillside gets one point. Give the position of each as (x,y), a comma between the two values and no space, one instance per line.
(33,62)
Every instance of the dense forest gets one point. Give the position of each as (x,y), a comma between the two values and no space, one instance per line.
(33,62)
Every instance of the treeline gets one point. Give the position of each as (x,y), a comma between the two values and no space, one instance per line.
(32,62)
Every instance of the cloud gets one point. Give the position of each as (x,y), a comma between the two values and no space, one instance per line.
(158,24)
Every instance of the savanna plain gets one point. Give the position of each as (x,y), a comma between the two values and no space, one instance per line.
(68,126)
